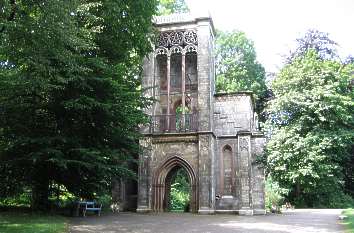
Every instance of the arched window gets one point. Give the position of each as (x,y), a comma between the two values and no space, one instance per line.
(161,71)
(191,83)
(226,171)
(176,72)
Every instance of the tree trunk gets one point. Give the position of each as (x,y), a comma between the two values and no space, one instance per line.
(40,190)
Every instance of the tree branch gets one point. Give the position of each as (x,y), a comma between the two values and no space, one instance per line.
(12,14)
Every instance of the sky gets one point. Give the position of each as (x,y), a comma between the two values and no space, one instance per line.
(273,25)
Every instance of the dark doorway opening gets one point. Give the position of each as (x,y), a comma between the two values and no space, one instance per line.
(177,191)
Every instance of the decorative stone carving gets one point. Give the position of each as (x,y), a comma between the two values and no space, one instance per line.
(190,37)
(190,49)
(161,51)
(176,38)
(163,39)
(243,144)
(183,38)
(176,49)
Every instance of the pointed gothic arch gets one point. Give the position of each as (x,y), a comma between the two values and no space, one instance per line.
(159,182)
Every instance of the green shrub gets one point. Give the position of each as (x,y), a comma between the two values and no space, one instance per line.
(19,200)
(180,190)
(349,222)
(179,199)
(274,194)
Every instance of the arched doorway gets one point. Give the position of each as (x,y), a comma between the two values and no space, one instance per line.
(177,190)
(163,178)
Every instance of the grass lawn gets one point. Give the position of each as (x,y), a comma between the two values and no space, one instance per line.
(32,223)
(349,222)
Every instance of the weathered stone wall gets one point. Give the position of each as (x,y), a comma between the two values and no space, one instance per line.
(232,113)
(185,147)
(258,179)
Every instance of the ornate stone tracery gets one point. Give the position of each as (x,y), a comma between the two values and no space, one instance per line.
(177,42)
(190,37)
(182,38)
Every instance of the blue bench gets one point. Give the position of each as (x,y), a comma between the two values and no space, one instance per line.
(90,206)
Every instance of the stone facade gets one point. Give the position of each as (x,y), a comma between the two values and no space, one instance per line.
(214,137)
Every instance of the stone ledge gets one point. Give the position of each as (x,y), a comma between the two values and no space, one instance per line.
(226,211)
(259,212)
(143,210)
(205,211)
(245,211)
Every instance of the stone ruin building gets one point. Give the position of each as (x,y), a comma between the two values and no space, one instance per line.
(214,137)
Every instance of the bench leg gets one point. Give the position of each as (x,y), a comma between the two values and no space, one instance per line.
(84,213)
(99,213)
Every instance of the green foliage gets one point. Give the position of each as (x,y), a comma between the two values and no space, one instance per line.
(167,7)
(32,223)
(312,121)
(316,40)
(349,221)
(105,200)
(180,192)
(274,194)
(237,68)
(18,200)
(69,93)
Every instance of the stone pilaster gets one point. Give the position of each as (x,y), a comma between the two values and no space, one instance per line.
(244,150)
(258,179)
(144,180)
(206,179)
(148,81)
(205,77)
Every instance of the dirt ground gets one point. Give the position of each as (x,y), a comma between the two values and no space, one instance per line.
(292,221)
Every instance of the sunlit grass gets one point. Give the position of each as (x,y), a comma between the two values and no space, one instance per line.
(32,223)
(349,222)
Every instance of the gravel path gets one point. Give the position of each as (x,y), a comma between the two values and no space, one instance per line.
(294,221)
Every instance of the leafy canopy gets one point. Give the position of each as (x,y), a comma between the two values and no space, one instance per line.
(69,93)
(312,118)
(167,7)
(236,66)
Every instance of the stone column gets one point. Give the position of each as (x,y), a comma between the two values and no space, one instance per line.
(144,197)
(244,150)
(168,90)
(148,77)
(258,179)
(205,77)
(205,117)
(206,176)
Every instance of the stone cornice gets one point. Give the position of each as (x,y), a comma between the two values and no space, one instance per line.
(258,134)
(174,139)
(184,18)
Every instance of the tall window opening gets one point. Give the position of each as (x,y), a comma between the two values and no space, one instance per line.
(226,175)
(161,71)
(176,72)
(191,82)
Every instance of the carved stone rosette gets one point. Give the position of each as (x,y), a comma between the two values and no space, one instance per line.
(182,41)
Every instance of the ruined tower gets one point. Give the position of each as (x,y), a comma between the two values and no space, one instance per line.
(213,137)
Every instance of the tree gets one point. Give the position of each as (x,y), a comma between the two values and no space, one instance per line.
(316,40)
(69,93)
(237,68)
(312,118)
(167,7)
